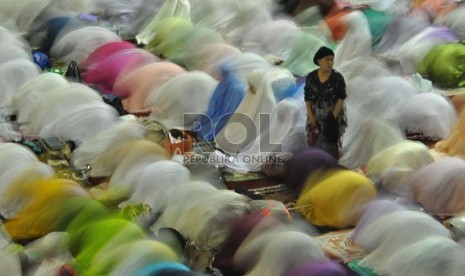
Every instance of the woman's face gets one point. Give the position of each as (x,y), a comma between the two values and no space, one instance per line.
(326,63)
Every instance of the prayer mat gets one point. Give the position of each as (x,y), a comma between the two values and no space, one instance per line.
(339,246)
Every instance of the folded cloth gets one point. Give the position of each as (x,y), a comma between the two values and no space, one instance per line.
(331,128)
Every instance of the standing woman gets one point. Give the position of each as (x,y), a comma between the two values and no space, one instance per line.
(325,91)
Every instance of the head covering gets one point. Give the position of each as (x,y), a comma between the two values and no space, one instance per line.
(104,72)
(182,99)
(439,186)
(429,114)
(138,83)
(443,65)
(227,96)
(42,212)
(14,73)
(373,211)
(299,61)
(78,44)
(278,251)
(240,229)
(336,198)
(25,98)
(234,137)
(272,38)
(130,257)
(154,184)
(356,41)
(170,9)
(306,162)
(321,53)
(202,214)
(393,166)
(119,133)
(118,160)
(430,256)
(415,49)
(384,235)
(102,237)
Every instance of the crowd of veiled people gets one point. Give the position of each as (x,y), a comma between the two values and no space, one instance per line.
(89,91)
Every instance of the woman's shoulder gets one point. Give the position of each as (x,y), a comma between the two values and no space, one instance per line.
(337,74)
(313,74)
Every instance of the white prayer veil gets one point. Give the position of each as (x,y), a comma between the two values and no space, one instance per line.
(57,102)
(184,197)
(412,52)
(231,18)
(50,252)
(372,105)
(9,262)
(213,14)
(274,38)
(440,186)
(171,8)
(378,97)
(120,13)
(121,161)
(366,67)
(21,14)
(203,214)
(120,132)
(13,74)
(394,166)
(278,251)
(394,231)
(245,63)
(107,161)
(430,114)
(27,96)
(182,99)
(454,20)
(78,44)
(366,138)
(13,38)
(243,126)
(10,52)
(81,123)
(401,29)
(285,134)
(356,41)
(155,184)
(436,255)
(373,211)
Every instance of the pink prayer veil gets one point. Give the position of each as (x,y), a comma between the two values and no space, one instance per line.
(138,83)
